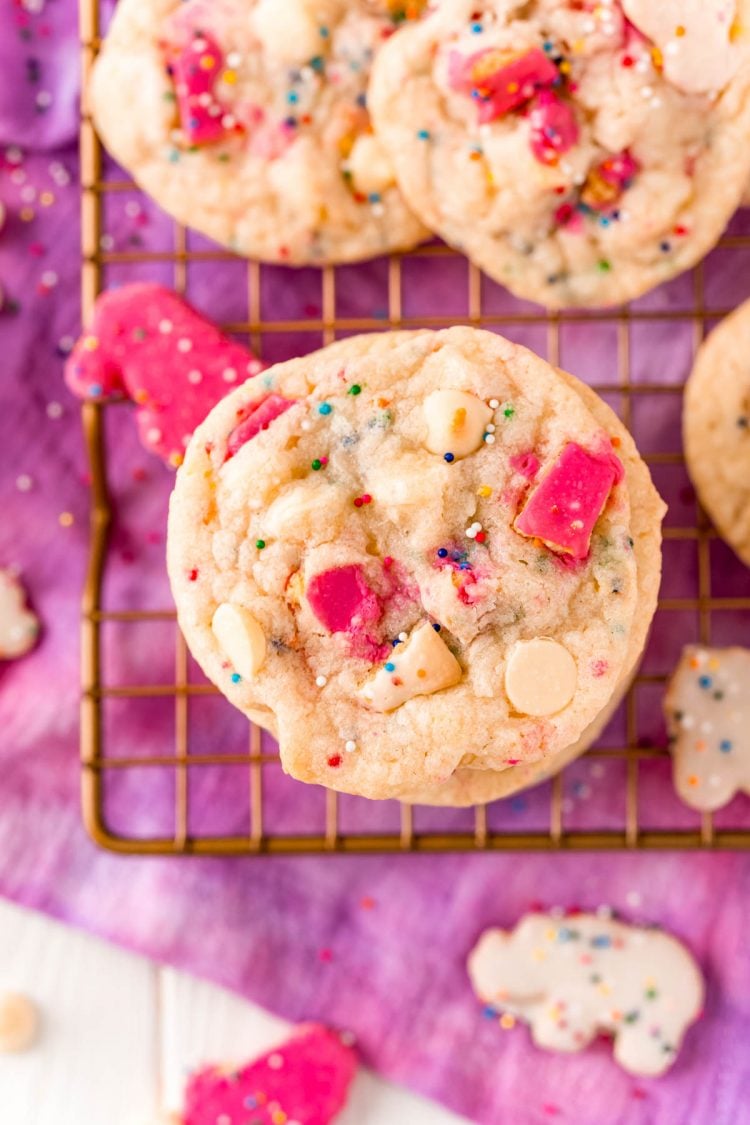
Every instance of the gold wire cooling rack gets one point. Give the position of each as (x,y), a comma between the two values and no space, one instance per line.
(476,830)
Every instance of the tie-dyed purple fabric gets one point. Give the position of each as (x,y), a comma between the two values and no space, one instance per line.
(373,944)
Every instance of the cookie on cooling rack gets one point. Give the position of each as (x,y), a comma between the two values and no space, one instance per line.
(707,708)
(579,153)
(571,978)
(716,429)
(248,120)
(424,561)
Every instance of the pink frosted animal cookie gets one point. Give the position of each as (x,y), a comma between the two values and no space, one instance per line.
(148,344)
(707,708)
(305,1081)
(19,627)
(579,151)
(571,978)
(425,561)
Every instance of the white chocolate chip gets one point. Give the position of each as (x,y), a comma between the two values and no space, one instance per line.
(706,52)
(19,1023)
(240,638)
(456,422)
(370,166)
(411,480)
(540,677)
(287,30)
(301,508)
(423,664)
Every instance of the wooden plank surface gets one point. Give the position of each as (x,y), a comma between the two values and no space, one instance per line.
(119,1034)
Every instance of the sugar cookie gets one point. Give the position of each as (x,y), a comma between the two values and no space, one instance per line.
(579,157)
(248,120)
(347,538)
(716,428)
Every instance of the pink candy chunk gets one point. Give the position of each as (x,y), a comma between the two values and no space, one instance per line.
(499,81)
(606,183)
(196,70)
(306,1080)
(553,127)
(257,416)
(342,601)
(145,342)
(564,507)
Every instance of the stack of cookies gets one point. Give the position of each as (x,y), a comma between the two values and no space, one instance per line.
(426,561)
(579,152)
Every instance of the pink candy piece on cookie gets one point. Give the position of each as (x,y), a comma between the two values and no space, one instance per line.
(306,1081)
(255,418)
(196,70)
(342,600)
(499,81)
(606,182)
(553,126)
(564,507)
(145,342)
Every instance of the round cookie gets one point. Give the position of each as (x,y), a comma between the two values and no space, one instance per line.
(248,120)
(470,786)
(716,428)
(344,531)
(580,154)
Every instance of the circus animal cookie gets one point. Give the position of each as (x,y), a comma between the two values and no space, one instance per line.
(716,428)
(571,978)
(355,578)
(248,120)
(579,157)
(707,708)
(145,342)
(19,627)
(305,1080)
(19,1023)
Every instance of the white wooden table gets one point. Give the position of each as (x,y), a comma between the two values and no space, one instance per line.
(120,1033)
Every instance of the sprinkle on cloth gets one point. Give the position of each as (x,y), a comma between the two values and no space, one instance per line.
(707,709)
(19,627)
(148,344)
(305,1081)
(574,977)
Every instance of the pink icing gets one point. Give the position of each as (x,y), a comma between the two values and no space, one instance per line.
(342,600)
(255,417)
(565,505)
(498,81)
(527,464)
(195,70)
(607,181)
(145,342)
(306,1080)
(553,127)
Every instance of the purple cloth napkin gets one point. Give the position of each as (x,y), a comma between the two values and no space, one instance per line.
(377,945)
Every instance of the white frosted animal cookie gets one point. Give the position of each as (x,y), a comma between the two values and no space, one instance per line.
(716,428)
(572,978)
(578,152)
(707,708)
(248,120)
(19,627)
(425,527)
